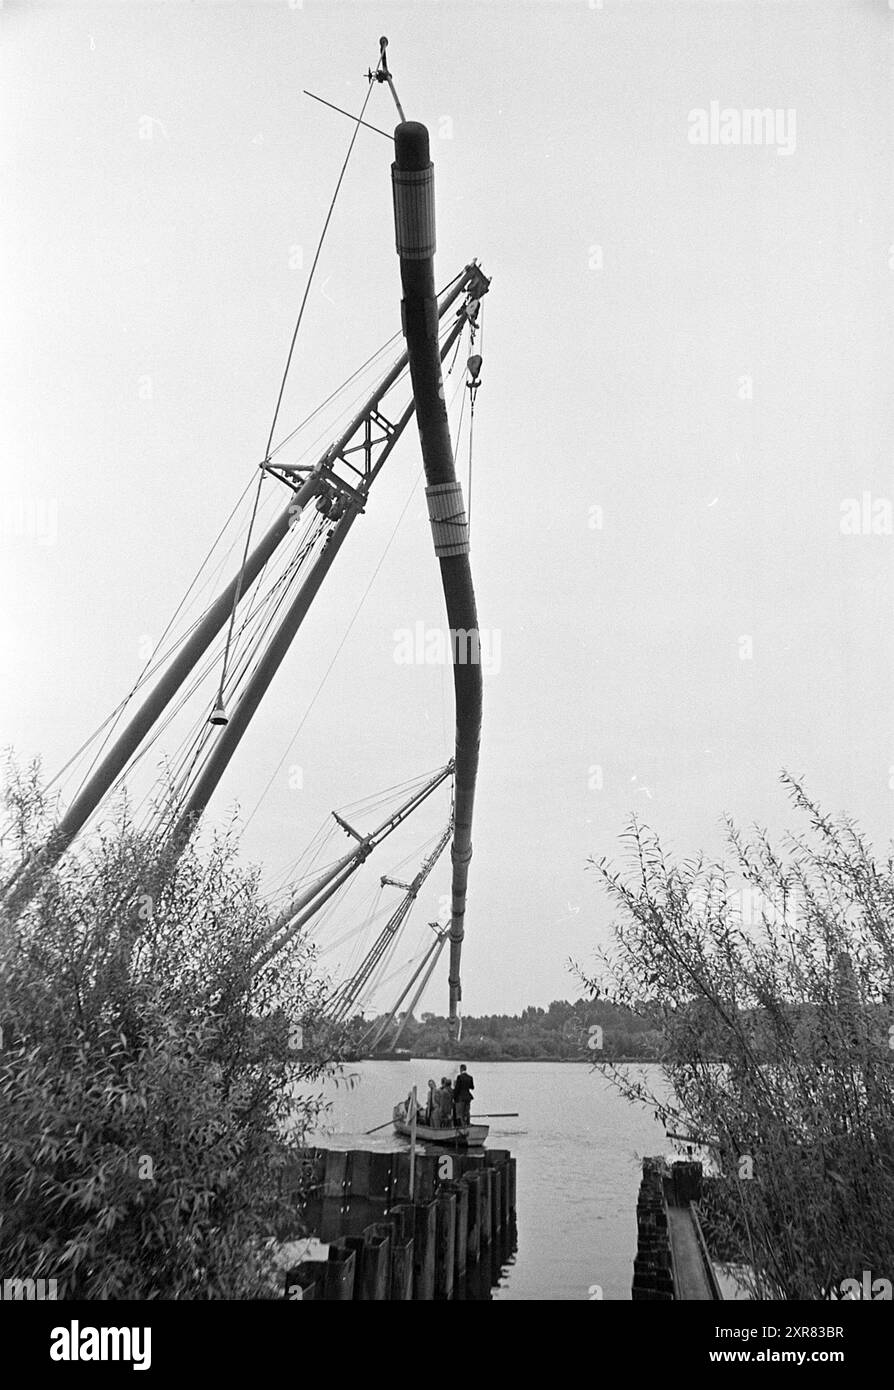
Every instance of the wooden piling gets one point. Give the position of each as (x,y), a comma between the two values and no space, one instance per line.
(398,1227)
(496,1206)
(360,1165)
(306,1281)
(372,1251)
(424,1249)
(339,1275)
(335,1181)
(403,1217)
(473,1183)
(426,1177)
(381,1177)
(335,1194)
(376,1265)
(401,1286)
(384,1246)
(653,1278)
(498,1161)
(486,1189)
(461,1227)
(445,1243)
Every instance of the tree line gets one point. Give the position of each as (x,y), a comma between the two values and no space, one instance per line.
(563,1032)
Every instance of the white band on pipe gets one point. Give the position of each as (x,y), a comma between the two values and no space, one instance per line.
(414,212)
(447,514)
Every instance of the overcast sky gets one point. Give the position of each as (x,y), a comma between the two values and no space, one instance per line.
(682,478)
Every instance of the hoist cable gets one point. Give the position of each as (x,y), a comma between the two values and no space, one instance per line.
(314,265)
(238,592)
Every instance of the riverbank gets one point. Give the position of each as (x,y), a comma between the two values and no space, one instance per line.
(466,1057)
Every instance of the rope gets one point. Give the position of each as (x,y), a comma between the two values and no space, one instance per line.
(261,616)
(314,265)
(335,654)
(471,433)
(472,395)
(455,355)
(363,366)
(238,594)
(147,670)
(331,397)
(264,616)
(282,387)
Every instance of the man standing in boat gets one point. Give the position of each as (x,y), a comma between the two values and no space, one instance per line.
(432,1106)
(445,1100)
(463,1087)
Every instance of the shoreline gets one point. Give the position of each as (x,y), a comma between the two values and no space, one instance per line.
(477,1061)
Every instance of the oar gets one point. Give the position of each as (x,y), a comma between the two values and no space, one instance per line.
(500,1115)
(373,1131)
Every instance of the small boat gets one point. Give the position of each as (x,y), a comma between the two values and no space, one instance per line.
(471,1136)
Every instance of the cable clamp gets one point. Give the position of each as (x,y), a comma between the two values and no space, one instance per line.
(447,514)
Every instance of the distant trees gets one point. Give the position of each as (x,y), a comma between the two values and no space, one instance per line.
(771,980)
(150,1094)
(559,1033)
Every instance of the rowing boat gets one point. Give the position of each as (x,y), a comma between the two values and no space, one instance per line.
(468,1136)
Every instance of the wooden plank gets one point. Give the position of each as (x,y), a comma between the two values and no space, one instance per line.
(691,1284)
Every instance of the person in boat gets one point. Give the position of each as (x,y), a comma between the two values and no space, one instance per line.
(445,1095)
(443,1105)
(421,1111)
(433,1105)
(462,1097)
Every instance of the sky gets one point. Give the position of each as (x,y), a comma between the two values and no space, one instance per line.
(681,485)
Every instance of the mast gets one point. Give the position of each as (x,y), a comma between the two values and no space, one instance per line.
(322,484)
(378,1030)
(346,997)
(413,189)
(308,903)
(434,954)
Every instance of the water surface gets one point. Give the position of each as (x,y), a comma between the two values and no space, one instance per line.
(579,1147)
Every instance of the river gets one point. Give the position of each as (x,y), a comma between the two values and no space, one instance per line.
(578,1145)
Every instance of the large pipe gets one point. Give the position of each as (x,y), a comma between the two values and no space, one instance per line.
(413,187)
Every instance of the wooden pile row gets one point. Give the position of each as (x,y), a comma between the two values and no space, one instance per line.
(384,1246)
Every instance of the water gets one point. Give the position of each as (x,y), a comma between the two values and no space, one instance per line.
(579,1147)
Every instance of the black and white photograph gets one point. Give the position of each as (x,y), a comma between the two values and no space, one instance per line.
(447,726)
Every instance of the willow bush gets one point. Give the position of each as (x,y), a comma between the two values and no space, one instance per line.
(770,977)
(150,1102)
